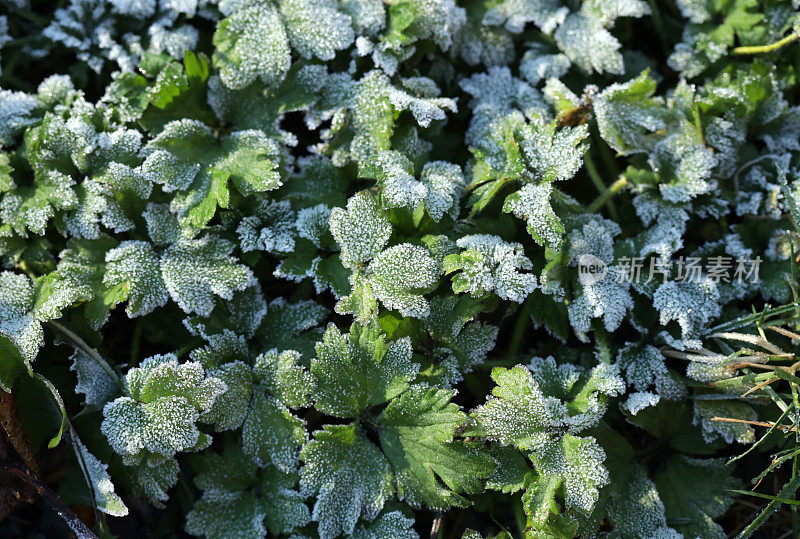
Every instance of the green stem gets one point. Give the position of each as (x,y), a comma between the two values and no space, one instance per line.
(91,352)
(591,168)
(523,320)
(760,49)
(606,195)
(137,339)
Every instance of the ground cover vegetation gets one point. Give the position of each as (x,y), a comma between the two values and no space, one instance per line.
(399,268)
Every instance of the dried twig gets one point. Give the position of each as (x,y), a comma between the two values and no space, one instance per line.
(77,526)
(11,424)
(437,524)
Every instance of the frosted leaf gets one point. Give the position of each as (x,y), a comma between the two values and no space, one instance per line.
(608,11)
(240,501)
(316,28)
(292,326)
(639,400)
(368,16)
(284,377)
(361,230)
(636,508)
(438,20)
(393,172)
(532,203)
(158,417)
(628,115)
(251,44)
(391,525)
(17,111)
(349,475)
(528,405)
(515,14)
(588,45)
(194,271)
(705,410)
(93,380)
(271,228)
(487,264)
(174,41)
(444,182)
(162,225)
(135,265)
(432,469)
(222,348)
(695,10)
(105,499)
(152,481)
(537,65)
(55,89)
(425,106)
(691,164)
(171,172)
(553,154)
(312,223)
(17,321)
(271,434)
(359,369)
(579,463)
(666,225)
(230,408)
(644,368)
(607,298)
(693,304)
(31,208)
(400,275)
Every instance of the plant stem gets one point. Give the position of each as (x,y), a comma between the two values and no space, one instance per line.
(76,524)
(91,352)
(760,49)
(606,195)
(523,320)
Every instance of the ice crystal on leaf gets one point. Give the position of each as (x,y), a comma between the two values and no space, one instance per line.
(360,369)
(213,272)
(157,417)
(135,266)
(487,265)
(316,28)
(240,500)
(361,230)
(349,475)
(692,304)
(105,499)
(431,469)
(250,44)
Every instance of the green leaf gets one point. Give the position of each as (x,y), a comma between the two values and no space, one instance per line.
(271,434)
(694,492)
(348,474)
(431,468)
(360,369)
(362,230)
(251,44)
(194,271)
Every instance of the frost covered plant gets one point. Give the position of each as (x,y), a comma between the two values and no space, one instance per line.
(378,268)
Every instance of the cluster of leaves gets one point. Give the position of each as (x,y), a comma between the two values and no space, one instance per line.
(339,297)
